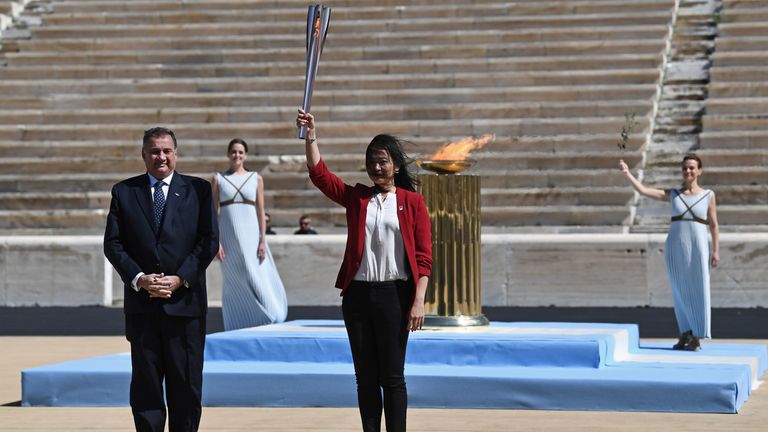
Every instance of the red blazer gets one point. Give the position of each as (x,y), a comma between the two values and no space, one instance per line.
(411,212)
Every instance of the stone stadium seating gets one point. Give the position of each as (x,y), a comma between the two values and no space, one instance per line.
(80,80)
(734,139)
(711,101)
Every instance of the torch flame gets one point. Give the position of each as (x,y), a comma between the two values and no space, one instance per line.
(460,149)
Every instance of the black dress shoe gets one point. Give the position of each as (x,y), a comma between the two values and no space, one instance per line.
(685,339)
(693,345)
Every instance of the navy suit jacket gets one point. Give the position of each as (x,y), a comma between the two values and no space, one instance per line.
(184,245)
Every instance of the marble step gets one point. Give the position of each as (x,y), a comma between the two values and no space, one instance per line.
(288,200)
(741,29)
(299,199)
(739,58)
(50,34)
(714,177)
(292,98)
(366,8)
(330,145)
(372,23)
(334,67)
(738,73)
(92,221)
(458,112)
(489,161)
(727,215)
(137,54)
(735,122)
(751,12)
(746,43)
(742,90)
(225,131)
(8,7)
(734,140)
(297,181)
(348,83)
(247,37)
(730,5)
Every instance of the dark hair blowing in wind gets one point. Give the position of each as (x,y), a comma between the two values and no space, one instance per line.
(394,146)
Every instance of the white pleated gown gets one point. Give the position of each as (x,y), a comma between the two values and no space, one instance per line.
(253,293)
(687,260)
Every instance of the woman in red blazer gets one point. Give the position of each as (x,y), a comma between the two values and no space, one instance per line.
(384,275)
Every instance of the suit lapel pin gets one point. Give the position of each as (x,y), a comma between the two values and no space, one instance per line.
(400,208)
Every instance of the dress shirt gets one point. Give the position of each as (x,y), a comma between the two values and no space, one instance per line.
(166,187)
(383,254)
(153,181)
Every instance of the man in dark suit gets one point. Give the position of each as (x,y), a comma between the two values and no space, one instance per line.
(161,235)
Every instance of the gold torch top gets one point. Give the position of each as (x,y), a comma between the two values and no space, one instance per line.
(452,157)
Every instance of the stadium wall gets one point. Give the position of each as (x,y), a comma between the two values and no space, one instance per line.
(563,270)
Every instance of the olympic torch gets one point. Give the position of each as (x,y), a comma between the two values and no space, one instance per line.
(318,18)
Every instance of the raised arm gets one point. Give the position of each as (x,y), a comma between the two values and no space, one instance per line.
(657,194)
(714,229)
(329,183)
(310,139)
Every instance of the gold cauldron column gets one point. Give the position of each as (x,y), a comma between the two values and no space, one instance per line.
(453,294)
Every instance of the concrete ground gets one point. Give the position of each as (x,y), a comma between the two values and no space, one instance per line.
(19,352)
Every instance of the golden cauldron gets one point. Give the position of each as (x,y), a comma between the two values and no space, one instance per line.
(453,201)
(446,166)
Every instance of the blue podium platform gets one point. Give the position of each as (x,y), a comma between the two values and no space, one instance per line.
(555,366)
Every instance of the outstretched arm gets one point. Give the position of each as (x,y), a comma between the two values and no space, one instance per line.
(329,183)
(310,139)
(657,194)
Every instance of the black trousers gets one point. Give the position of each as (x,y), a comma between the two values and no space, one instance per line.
(166,349)
(376,318)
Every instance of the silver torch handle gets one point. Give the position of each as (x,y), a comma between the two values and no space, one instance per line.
(318,18)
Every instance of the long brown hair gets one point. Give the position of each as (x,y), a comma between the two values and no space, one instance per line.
(393,145)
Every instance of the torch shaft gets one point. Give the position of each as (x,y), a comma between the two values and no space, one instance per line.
(318,19)
(313,58)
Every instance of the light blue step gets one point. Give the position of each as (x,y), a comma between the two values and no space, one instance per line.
(326,341)
(505,365)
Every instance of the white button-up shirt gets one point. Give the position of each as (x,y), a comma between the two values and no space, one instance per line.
(166,186)
(384,254)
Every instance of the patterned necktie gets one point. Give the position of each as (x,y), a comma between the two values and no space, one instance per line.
(159,198)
